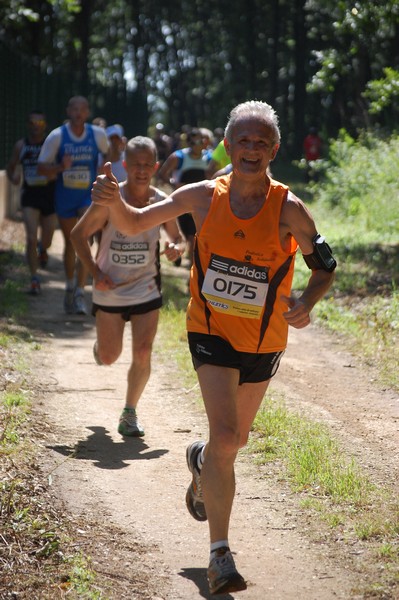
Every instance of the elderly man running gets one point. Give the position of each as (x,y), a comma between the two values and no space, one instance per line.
(249,228)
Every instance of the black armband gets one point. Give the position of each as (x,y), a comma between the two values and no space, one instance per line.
(322,257)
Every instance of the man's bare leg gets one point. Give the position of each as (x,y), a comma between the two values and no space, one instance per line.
(144,328)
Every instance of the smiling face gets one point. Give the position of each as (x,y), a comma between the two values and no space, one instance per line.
(252,146)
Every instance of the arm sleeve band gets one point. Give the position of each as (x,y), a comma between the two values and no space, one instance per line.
(322,257)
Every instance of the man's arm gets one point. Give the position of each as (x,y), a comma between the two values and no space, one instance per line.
(298,315)
(92,221)
(51,170)
(213,166)
(176,244)
(297,221)
(101,139)
(13,163)
(47,164)
(165,172)
(130,220)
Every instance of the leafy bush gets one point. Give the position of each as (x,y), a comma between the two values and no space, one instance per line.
(361,184)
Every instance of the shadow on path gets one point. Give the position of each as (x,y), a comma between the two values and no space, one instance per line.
(105,453)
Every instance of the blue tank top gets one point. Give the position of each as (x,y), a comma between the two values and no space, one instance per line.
(73,186)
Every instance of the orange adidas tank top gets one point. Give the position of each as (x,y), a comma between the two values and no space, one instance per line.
(239,273)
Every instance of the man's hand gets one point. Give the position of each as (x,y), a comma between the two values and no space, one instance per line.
(66,162)
(103,282)
(105,189)
(298,315)
(15,178)
(172,251)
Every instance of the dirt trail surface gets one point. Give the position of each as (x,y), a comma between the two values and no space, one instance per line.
(132,491)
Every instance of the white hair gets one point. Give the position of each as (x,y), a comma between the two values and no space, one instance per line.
(253,109)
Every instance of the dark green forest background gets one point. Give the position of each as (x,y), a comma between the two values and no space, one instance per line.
(326,63)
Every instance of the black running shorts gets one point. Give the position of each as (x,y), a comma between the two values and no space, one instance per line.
(214,350)
(40,198)
(127,311)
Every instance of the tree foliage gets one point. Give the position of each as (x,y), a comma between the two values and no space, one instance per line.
(193,60)
(383,94)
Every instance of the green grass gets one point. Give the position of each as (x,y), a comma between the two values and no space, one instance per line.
(330,486)
(13,412)
(12,303)
(13,276)
(83,580)
(355,207)
(171,341)
(314,460)
(173,349)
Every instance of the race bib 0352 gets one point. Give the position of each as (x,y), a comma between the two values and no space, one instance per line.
(129,254)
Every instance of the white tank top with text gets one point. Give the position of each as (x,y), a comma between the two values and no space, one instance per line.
(132,262)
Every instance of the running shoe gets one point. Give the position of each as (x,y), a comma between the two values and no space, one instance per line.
(128,423)
(223,577)
(68,302)
(79,305)
(42,255)
(34,287)
(43,259)
(95,354)
(194,501)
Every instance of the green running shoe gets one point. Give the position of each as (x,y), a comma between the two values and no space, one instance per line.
(128,423)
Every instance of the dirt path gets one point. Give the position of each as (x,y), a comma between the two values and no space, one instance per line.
(136,488)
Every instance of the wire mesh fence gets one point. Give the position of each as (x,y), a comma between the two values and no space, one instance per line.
(25,87)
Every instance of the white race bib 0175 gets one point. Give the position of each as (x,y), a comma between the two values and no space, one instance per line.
(236,288)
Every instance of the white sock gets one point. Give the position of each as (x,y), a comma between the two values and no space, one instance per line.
(216,545)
